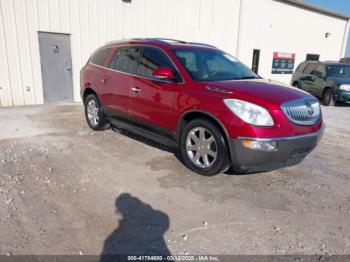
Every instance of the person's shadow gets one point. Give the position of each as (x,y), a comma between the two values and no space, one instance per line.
(140,230)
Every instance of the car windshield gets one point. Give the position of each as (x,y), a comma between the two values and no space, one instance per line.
(338,70)
(205,65)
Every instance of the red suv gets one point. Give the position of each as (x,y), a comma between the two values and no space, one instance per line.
(215,110)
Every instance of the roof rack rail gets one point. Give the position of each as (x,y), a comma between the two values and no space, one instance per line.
(170,40)
(202,44)
(163,40)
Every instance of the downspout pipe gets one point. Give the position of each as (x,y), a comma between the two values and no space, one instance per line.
(345,40)
(239,29)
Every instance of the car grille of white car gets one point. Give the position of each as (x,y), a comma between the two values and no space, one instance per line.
(302,111)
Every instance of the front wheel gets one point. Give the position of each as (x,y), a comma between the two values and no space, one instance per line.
(93,113)
(328,97)
(203,148)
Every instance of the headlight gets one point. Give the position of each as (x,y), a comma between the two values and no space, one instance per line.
(250,113)
(345,88)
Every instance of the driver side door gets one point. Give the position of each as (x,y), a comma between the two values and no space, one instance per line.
(152,99)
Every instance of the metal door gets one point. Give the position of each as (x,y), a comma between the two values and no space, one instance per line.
(56,67)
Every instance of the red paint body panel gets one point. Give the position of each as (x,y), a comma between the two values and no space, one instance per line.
(163,104)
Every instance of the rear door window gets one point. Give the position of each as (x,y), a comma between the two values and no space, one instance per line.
(100,56)
(320,70)
(126,60)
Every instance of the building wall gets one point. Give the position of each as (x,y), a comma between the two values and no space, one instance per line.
(91,23)
(265,24)
(272,26)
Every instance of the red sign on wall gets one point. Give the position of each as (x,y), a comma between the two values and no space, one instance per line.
(283,63)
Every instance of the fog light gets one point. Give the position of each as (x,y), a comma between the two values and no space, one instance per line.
(260,145)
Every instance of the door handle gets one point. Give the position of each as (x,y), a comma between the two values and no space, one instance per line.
(136,89)
(104,80)
(69,69)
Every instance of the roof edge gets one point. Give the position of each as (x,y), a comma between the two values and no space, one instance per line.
(315,8)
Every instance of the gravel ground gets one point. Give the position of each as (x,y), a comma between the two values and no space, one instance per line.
(65,189)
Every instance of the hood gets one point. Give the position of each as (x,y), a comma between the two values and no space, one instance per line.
(264,92)
(340,80)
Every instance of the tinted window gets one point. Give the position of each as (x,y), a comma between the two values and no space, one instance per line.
(125,60)
(310,68)
(338,70)
(212,65)
(312,57)
(301,67)
(152,58)
(99,57)
(321,70)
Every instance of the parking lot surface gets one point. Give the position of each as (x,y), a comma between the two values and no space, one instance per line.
(65,189)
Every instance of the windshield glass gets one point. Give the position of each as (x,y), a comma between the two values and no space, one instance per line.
(212,65)
(338,70)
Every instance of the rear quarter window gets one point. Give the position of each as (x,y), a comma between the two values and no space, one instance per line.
(301,67)
(100,56)
(310,68)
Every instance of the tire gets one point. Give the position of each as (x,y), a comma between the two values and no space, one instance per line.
(93,113)
(328,97)
(208,156)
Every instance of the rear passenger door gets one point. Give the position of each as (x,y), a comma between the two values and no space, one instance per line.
(119,80)
(152,100)
(319,80)
(308,77)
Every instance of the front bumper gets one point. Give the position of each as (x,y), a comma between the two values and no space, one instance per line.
(290,151)
(344,96)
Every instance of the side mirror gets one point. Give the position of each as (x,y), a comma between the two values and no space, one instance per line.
(164,73)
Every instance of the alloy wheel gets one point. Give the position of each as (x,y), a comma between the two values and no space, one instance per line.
(92,112)
(201,147)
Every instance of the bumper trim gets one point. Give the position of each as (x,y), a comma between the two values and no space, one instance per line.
(290,151)
(315,134)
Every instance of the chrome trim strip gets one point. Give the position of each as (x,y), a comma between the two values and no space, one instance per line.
(315,134)
(148,78)
(288,106)
(219,90)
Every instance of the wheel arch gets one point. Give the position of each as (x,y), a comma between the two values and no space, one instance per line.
(88,91)
(295,82)
(327,87)
(195,114)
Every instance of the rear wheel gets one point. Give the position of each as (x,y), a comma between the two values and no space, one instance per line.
(328,97)
(203,148)
(297,85)
(93,113)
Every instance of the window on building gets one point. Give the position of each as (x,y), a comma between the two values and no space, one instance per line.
(150,59)
(255,62)
(312,57)
(125,60)
(99,57)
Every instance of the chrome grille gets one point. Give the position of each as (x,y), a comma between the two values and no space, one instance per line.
(302,111)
